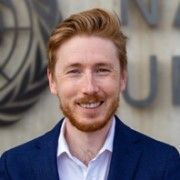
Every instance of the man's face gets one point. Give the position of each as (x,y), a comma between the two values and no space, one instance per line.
(88,81)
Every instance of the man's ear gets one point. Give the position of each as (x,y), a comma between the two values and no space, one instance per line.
(52,82)
(123,80)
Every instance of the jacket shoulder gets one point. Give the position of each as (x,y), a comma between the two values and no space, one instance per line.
(147,143)
(28,148)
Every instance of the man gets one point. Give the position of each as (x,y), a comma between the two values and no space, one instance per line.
(87,71)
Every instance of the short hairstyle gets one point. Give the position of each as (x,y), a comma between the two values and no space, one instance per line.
(96,22)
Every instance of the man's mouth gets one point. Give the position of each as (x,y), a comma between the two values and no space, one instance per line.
(91,105)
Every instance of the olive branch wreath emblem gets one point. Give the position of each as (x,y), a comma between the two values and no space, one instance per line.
(25,94)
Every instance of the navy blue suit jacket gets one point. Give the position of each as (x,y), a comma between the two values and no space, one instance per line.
(135,157)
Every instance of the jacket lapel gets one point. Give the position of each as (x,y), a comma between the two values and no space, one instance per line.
(125,157)
(45,166)
(126,153)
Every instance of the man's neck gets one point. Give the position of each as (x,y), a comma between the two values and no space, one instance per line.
(85,146)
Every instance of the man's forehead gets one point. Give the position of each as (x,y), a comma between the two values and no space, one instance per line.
(87,42)
(87,51)
(81,61)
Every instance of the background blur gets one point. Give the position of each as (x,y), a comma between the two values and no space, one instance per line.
(151,104)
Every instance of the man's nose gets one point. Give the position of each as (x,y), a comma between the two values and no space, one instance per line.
(89,85)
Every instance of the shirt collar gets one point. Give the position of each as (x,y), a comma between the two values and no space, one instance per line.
(62,144)
(108,145)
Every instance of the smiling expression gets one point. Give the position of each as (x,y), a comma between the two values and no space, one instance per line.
(88,81)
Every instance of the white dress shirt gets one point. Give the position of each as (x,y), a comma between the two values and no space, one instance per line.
(71,168)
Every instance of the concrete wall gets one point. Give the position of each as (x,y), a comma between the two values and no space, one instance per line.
(160,119)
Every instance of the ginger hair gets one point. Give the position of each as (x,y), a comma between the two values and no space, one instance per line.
(97,22)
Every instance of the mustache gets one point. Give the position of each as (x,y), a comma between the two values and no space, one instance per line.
(89,98)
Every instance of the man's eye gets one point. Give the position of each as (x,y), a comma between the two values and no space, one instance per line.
(103,70)
(74,71)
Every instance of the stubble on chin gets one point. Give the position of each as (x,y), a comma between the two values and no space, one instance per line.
(89,127)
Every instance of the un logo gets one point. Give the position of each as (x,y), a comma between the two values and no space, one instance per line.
(24,29)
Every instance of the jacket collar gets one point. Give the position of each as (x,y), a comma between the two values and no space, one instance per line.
(126,152)
(125,156)
(45,166)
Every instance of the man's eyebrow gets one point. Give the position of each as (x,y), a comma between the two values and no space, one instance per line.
(104,64)
(73,65)
(78,65)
